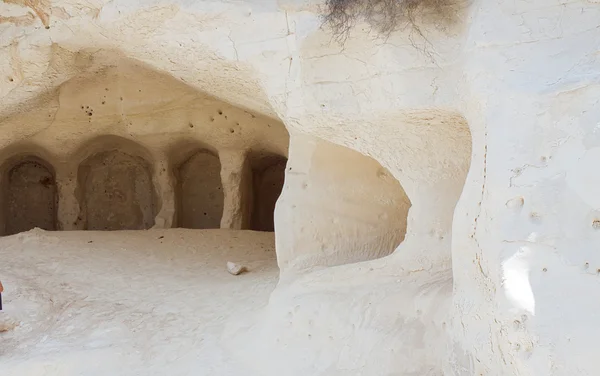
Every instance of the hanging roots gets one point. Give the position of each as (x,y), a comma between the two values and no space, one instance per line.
(387,16)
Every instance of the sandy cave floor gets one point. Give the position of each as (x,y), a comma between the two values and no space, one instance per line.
(157,302)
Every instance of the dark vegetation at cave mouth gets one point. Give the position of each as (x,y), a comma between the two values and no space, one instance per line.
(387,16)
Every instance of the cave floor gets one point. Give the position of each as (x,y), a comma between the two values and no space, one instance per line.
(156,302)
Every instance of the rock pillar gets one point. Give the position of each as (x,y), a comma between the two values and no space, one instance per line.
(236,178)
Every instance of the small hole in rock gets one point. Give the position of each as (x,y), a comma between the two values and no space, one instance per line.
(191,125)
(220,112)
(11,79)
(231,130)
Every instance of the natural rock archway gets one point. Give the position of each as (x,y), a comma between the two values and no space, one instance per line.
(355,236)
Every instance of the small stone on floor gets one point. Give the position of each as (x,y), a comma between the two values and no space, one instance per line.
(235,269)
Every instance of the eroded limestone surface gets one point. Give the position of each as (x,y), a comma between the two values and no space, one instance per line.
(438,214)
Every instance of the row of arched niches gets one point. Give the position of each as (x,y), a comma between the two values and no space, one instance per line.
(115,189)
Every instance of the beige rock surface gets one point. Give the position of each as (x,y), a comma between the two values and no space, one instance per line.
(439,216)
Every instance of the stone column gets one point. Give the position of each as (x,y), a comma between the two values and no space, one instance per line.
(236,178)
(68,204)
(164,183)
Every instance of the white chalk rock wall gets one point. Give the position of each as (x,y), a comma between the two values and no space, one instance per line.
(524,254)
(502,281)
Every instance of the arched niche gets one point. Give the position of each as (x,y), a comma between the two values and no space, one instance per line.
(115,187)
(199,191)
(29,194)
(268,176)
